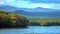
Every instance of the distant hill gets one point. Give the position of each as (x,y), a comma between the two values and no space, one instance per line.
(57,13)
(8,8)
(31,12)
(12,8)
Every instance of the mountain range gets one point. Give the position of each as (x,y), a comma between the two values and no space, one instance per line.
(31,12)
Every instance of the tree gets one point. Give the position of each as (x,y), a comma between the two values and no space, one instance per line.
(12,20)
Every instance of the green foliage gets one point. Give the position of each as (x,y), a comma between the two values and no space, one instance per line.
(12,20)
(51,21)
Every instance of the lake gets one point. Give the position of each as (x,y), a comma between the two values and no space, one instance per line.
(32,30)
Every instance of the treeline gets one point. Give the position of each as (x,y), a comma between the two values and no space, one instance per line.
(51,21)
(8,20)
(12,20)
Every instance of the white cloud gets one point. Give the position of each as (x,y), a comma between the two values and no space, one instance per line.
(55,6)
(1,2)
(26,4)
(29,4)
(9,1)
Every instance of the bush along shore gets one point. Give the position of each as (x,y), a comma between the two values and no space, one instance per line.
(14,20)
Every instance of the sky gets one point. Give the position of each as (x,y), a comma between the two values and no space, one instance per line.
(52,4)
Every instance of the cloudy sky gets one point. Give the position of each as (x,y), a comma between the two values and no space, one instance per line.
(52,4)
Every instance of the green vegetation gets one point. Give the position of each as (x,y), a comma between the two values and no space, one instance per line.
(52,21)
(13,20)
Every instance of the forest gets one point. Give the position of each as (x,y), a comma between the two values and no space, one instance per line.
(14,20)
(45,21)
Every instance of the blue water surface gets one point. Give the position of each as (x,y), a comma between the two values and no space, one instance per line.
(32,30)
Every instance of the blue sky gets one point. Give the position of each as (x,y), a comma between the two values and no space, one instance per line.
(52,4)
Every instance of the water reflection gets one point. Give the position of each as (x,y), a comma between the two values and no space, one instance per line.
(32,30)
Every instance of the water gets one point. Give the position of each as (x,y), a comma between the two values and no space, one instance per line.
(32,30)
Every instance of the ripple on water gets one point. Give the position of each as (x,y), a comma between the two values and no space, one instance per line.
(32,30)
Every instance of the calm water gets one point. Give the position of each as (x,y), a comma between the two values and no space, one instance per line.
(32,30)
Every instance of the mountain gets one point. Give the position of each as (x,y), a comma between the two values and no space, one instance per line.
(38,9)
(22,12)
(12,8)
(38,12)
(31,12)
(8,8)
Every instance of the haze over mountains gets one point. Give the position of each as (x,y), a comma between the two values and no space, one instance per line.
(31,12)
